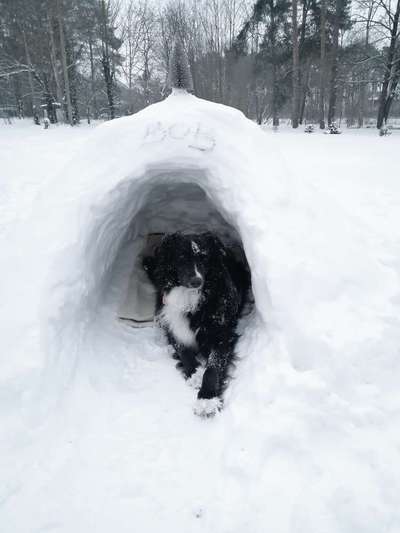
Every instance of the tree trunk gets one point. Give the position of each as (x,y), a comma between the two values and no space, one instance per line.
(18,98)
(275,91)
(392,93)
(303,70)
(109,86)
(296,73)
(106,62)
(64,63)
(220,78)
(364,74)
(30,78)
(53,60)
(92,82)
(72,83)
(333,86)
(306,78)
(361,104)
(384,107)
(275,114)
(322,66)
(49,110)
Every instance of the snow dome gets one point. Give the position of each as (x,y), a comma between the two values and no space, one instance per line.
(183,164)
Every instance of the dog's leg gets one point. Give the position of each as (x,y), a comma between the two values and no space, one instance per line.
(185,355)
(214,375)
(208,401)
(208,398)
(189,362)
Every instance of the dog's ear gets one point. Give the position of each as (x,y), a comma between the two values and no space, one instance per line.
(210,244)
(170,239)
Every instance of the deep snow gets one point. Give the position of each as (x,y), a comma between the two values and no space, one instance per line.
(97,430)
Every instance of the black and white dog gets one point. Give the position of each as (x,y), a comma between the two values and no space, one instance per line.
(201,291)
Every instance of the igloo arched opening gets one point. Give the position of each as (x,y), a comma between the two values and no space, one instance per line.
(162,201)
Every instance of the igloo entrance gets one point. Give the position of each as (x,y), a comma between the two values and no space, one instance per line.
(162,202)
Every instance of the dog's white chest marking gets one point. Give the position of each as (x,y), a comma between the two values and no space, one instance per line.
(177,303)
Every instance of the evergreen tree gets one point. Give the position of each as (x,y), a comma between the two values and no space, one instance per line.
(179,76)
(272,53)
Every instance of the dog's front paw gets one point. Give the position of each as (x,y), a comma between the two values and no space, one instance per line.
(207,408)
(196,378)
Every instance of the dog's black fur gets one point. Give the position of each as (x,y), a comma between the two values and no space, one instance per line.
(180,260)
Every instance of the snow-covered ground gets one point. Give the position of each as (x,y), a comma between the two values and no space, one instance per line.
(309,439)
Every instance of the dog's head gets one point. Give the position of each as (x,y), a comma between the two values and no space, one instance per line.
(182,260)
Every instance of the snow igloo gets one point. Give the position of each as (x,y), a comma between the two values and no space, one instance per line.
(184,164)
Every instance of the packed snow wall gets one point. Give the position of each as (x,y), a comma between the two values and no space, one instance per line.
(184,164)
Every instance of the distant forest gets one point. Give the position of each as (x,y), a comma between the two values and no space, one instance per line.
(319,61)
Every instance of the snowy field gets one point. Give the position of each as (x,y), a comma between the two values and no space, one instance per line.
(309,439)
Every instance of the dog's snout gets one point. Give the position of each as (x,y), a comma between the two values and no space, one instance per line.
(195,282)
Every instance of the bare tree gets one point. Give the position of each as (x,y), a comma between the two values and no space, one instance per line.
(29,70)
(333,82)
(296,73)
(322,66)
(392,64)
(132,36)
(369,7)
(64,62)
(147,50)
(53,55)
(108,20)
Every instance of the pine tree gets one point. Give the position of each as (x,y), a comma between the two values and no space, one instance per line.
(179,76)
